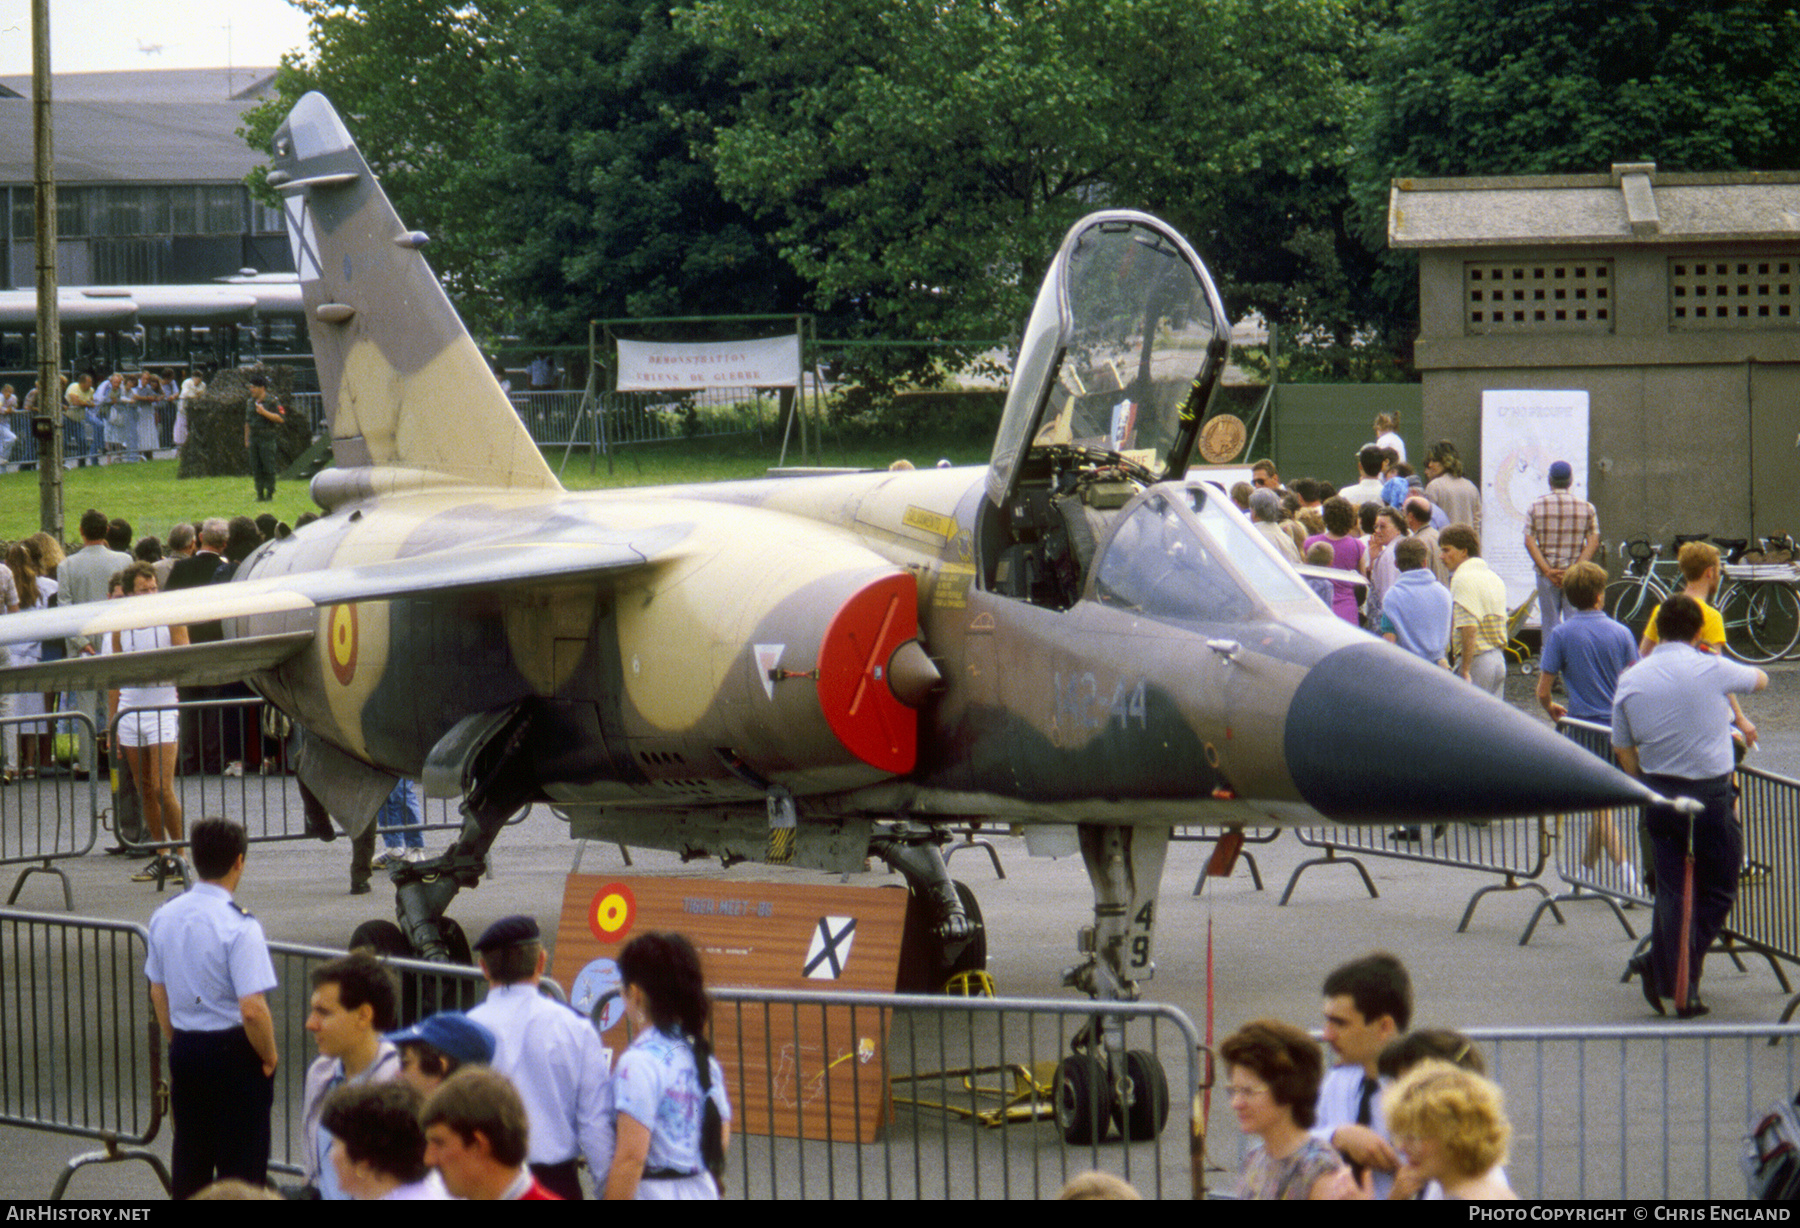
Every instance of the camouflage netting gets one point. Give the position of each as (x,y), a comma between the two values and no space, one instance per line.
(215,442)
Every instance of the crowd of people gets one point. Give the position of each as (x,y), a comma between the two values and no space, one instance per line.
(108,416)
(1403,1115)
(1670,699)
(109,564)
(1416,541)
(500,1103)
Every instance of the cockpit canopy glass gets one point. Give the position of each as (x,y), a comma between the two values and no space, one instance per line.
(1180,557)
(1119,354)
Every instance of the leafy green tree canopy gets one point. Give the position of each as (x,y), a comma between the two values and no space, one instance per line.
(921,160)
(1544,86)
(545,147)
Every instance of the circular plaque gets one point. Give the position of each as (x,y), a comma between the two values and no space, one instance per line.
(1222,438)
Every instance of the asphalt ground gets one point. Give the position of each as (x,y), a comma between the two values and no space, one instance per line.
(1267,959)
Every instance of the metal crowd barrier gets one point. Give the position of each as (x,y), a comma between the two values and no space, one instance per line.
(80,1052)
(1516,849)
(1241,836)
(1609,839)
(1766,917)
(1654,1111)
(970,1081)
(52,817)
(961,1087)
(1636,1112)
(570,417)
(261,793)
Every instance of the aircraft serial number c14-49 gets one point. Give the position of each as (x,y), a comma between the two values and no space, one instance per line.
(821,669)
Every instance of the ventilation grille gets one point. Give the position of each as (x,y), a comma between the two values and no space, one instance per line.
(1731,293)
(1548,297)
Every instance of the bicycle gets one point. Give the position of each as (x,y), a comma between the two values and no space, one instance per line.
(1634,596)
(1760,605)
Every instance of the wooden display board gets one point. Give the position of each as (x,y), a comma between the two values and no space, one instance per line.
(795,1072)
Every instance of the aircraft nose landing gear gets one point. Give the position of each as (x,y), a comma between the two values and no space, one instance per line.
(1104,1082)
(1090,1097)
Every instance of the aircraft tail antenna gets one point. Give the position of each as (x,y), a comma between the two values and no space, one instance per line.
(404,384)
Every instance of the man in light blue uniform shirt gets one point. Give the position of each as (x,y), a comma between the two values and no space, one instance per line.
(1671,725)
(552,1054)
(210,973)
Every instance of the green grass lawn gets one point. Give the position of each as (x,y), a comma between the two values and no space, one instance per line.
(152,498)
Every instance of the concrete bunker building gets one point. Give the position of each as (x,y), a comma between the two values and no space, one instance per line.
(1673,300)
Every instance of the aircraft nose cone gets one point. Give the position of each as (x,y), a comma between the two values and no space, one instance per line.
(1379,735)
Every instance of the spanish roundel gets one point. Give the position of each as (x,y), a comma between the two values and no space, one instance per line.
(611,911)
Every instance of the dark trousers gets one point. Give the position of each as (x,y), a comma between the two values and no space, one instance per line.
(1718,859)
(563,1180)
(220,1100)
(265,461)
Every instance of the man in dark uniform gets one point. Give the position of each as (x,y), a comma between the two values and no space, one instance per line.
(209,974)
(263,420)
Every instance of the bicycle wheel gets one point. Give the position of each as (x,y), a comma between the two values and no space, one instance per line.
(1762,621)
(1632,602)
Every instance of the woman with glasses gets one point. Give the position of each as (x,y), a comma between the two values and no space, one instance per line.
(1273,1070)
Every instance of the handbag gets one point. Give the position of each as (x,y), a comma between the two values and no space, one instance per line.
(1771,1156)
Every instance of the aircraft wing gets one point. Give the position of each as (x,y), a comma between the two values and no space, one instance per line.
(442,573)
(195,664)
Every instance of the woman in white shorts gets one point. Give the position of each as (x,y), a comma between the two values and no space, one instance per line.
(149,739)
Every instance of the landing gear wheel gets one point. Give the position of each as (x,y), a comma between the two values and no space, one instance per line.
(1143,1118)
(382,937)
(458,942)
(925,964)
(1084,1100)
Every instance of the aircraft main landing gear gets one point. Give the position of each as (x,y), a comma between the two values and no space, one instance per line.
(1103,1083)
(954,939)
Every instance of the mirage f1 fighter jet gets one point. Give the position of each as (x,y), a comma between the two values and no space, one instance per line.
(826,669)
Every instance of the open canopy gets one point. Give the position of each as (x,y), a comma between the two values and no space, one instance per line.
(1121,353)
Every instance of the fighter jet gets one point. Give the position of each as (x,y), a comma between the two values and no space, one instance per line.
(826,670)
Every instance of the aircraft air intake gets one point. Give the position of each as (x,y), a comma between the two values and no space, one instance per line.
(856,686)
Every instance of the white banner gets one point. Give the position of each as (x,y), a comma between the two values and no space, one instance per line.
(1523,433)
(773,362)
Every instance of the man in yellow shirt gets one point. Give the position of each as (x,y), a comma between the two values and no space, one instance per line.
(1478,610)
(1699,562)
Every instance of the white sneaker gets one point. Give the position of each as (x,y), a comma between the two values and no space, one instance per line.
(234,769)
(388,857)
(416,854)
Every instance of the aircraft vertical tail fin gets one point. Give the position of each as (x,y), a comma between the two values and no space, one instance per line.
(403,382)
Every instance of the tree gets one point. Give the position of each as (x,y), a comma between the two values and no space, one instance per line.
(1470,87)
(922,160)
(408,77)
(545,148)
(594,204)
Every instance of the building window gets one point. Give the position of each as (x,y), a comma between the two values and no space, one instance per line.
(1733,293)
(1555,296)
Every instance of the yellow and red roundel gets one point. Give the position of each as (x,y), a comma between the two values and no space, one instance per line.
(343,642)
(611,912)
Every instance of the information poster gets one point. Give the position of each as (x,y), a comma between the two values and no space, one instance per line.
(1523,432)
